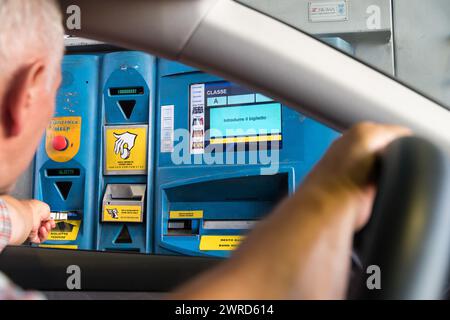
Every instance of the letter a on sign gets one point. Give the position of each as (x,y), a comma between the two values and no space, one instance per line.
(74,280)
(74,18)
(374,20)
(374,280)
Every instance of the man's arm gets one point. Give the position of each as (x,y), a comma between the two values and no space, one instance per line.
(19,221)
(30,220)
(23,220)
(303,250)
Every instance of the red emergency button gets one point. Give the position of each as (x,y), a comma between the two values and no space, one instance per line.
(60,143)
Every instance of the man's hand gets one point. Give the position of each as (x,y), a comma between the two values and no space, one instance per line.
(303,249)
(42,224)
(30,220)
(347,168)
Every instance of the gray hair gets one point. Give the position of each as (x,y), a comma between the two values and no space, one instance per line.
(27,27)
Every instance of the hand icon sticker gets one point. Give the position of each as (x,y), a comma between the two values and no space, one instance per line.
(125,150)
(124,144)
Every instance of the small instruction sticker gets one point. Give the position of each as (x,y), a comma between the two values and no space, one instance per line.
(195,214)
(119,213)
(220,243)
(328,11)
(66,230)
(167,128)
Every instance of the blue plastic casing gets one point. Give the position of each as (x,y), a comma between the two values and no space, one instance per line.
(215,197)
(68,185)
(127,70)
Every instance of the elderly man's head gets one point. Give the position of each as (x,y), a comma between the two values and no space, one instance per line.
(31,48)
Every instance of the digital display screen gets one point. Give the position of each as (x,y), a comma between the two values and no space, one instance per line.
(63,172)
(255,123)
(222,113)
(126,91)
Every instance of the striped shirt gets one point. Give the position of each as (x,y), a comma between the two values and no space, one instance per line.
(5,226)
(8,291)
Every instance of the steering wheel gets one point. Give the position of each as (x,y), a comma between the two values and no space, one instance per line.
(406,244)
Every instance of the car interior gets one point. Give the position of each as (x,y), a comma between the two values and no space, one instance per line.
(141,214)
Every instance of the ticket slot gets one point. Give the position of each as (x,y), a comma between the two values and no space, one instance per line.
(124,203)
(127,192)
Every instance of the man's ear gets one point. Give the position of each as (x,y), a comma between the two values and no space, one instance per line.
(20,97)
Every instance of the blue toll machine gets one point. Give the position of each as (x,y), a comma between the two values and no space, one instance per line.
(225,156)
(66,162)
(127,87)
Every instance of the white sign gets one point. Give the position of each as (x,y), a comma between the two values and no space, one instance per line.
(167,128)
(328,11)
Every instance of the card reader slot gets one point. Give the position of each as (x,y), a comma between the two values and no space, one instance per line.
(229,224)
(181,228)
(133,198)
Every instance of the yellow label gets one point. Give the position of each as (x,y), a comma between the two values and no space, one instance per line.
(69,128)
(196,214)
(66,230)
(50,246)
(246,139)
(220,243)
(126,149)
(113,213)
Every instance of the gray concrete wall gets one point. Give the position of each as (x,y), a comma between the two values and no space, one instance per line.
(422,45)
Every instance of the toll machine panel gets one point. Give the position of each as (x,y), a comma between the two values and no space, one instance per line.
(127,88)
(225,157)
(66,161)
